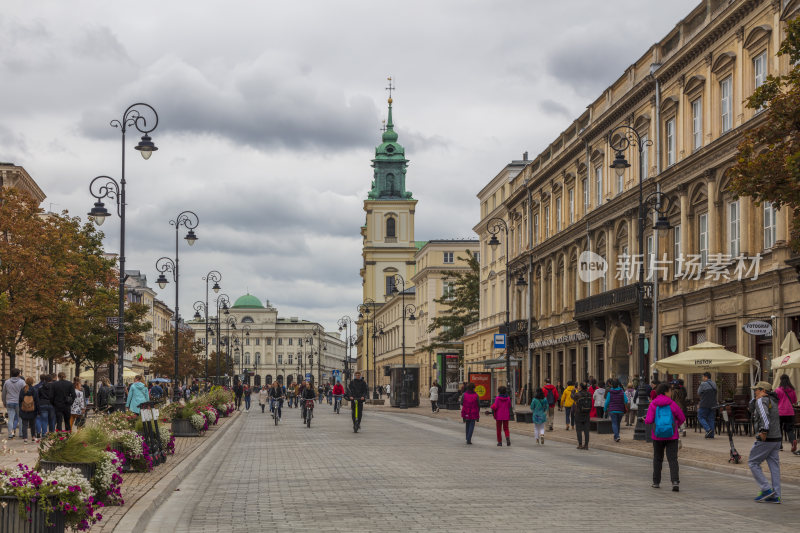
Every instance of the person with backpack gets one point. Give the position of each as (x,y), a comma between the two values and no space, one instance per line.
(787,397)
(599,399)
(501,410)
(539,408)
(105,396)
(470,410)
(567,402)
(666,417)
(767,423)
(28,410)
(551,395)
(582,409)
(616,405)
(11,390)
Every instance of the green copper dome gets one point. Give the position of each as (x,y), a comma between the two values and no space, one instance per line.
(248,301)
(389,177)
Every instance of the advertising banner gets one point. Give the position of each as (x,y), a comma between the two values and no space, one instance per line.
(483,384)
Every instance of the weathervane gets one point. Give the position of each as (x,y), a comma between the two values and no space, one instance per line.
(383,126)
(390,88)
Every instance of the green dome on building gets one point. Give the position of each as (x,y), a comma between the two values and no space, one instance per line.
(248,301)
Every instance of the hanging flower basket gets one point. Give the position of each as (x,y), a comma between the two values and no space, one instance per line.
(182,427)
(34,521)
(86,469)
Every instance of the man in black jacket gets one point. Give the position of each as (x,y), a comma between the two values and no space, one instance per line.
(46,421)
(63,396)
(357,393)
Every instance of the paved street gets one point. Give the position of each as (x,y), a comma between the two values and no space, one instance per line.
(412,473)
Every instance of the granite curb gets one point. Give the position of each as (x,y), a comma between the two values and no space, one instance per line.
(136,517)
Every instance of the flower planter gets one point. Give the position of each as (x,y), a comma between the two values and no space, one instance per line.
(182,427)
(86,469)
(12,522)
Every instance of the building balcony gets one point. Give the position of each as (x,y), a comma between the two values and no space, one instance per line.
(621,299)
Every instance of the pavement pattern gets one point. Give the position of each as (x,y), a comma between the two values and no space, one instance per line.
(411,473)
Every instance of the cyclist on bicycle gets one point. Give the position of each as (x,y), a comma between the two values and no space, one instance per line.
(307,394)
(338,392)
(276,399)
(357,393)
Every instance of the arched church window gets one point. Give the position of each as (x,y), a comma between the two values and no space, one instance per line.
(390,227)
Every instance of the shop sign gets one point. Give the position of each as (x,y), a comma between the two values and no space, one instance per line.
(758,327)
(573,337)
(483,384)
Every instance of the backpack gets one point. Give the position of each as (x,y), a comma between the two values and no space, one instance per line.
(549,397)
(28,404)
(112,396)
(584,404)
(665,422)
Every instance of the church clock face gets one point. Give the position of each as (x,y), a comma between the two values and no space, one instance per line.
(390,148)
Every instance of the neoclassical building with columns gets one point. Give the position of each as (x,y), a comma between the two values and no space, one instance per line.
(722,262)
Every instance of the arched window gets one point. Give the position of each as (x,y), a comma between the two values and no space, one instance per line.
(247,358)
(258,358)
(390,227)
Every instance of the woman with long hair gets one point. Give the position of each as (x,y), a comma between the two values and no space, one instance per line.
(539,409)
(787,397)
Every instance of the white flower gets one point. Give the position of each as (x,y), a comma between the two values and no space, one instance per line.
(197,421)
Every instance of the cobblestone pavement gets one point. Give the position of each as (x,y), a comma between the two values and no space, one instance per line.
(411,473)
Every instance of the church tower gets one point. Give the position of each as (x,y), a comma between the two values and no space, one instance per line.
(388,233)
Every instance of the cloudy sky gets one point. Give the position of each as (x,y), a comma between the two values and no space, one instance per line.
(269,113)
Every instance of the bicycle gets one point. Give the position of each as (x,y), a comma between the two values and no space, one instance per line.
(309,411)
(275,407)
(337,403)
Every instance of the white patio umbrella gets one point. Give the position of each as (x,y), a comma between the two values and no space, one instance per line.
(789,361)
(705,357)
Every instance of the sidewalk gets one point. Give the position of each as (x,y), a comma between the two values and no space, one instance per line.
(697,451)
(135,484)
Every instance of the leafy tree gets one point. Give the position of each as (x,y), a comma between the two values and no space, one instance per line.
(190,362)
(768,164)
(225,364)
(461,306)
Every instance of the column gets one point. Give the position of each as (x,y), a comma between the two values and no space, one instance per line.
(684,201)
(713,223)
(611,245)
(746,234)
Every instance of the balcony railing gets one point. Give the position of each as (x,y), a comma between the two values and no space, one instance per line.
(623,298)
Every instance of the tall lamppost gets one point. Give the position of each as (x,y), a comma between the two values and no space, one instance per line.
(230,324)
(346,324)
(495,226)
(107,187)
(318,331)
(216,277)
(223,300)
(630,137)
(377,329)
(410,309)
(363,309)
(245,333)
(189,220)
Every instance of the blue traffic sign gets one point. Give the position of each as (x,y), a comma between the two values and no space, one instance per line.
(308,375)
(500,340)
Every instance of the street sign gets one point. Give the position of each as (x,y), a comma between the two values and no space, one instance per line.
(308,375)
(337,372)
(112,321)
(499,341)
(758,327)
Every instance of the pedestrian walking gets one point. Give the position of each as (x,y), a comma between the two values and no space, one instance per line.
(470,410)
(263,395)
(28,409)
(583,408)
(666,417)
(104,393)
(63,397)
(630,393)
(137,395)
(247,392)
(539,410)
(434,397)
(78,405)
(238,390)
(501,410)
(567,402)
(591,389)
(767,423)
(616,405)
(551,395)
(11,390)
(787,397)
(599,399)
(46,421)
(706,412)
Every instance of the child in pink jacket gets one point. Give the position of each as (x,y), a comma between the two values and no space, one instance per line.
(501,410)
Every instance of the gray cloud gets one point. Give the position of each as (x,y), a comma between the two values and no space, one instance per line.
(101,44)
(551,107)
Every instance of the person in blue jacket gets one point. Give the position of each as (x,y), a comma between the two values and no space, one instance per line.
(137,395)
(615,406)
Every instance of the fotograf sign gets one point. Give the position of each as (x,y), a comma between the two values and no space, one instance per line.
(758,327)
(591,266)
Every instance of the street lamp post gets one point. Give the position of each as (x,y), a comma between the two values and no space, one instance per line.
(377,329)
(363,309)
(107,187)
(189,220)
(630,137)
(245,333)
(411,309)
(222,305)
(318,331)
(495,226)
(346,323)
(230,324)
(216,277)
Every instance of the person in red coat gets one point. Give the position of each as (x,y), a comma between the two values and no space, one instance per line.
(592,388)
(470,410)
(552,396)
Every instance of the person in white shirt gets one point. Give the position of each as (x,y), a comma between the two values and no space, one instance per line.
(599,398)
(434,392)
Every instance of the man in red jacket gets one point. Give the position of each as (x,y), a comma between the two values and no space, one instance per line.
(551,395)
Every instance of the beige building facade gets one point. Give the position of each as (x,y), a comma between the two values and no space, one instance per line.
(723,261)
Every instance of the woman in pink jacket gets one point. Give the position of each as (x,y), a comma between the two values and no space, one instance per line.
(664,443)
(501,409)
(787,397)
(470,410)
